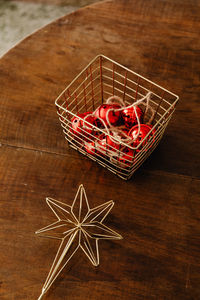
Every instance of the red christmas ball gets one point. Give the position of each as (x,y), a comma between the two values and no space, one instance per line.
(129,115)
(77,123)
(93,121)
(125,159)
(90,147)
(109,113)
(115,139)
(98,146)
(137,138)
(83,130)
(102,144)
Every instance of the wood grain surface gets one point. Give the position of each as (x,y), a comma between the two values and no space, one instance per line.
(156,212)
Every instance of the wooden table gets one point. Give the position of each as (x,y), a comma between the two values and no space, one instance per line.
(157,211)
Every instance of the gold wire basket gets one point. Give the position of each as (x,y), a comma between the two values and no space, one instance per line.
(99,80)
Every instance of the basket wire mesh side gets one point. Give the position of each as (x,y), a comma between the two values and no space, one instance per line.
(103,78)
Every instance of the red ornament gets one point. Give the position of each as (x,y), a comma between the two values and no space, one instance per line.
(137,138)
(129,116)
(82,129)
(109,112)
(120,136)
(77,122)
(90,147)
(98,146)
(102,144)
(125,159)
(93,121)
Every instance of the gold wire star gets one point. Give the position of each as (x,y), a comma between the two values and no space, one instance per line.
(78,226)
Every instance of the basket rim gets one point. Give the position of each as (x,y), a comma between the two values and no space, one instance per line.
(125,68)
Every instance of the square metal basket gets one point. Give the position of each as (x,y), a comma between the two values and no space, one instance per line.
(99,80)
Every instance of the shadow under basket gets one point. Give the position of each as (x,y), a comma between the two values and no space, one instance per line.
(99,80)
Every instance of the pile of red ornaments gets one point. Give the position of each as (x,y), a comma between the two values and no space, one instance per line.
(110,131)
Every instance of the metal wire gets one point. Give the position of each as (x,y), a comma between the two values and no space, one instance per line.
(103,78)
(77,226)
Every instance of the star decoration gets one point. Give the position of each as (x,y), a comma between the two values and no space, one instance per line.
(78,226)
